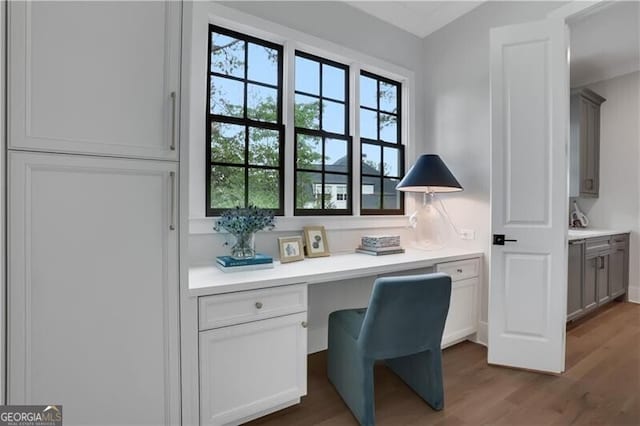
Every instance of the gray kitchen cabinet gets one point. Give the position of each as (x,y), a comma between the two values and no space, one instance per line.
(576,271)
(598,272)
(602,280)
(585,143)
(618,266)
(589,290)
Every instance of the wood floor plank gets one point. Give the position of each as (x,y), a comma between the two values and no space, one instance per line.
(601,385)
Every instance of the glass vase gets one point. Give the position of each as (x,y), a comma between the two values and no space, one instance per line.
(244,246)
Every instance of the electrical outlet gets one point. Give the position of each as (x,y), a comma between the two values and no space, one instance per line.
(467,234)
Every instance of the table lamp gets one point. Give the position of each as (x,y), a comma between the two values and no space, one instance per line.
(429,175)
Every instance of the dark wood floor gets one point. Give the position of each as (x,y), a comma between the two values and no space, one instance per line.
(601,385)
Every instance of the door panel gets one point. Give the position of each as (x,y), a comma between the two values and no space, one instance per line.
(590,277)
(252,367)
(79,84)
(575,279)
(617,272)
(93,288)
(603,279)
(529,107)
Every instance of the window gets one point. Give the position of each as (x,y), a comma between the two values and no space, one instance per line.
(322,142)
(246,162)
(245,131)
(382,152)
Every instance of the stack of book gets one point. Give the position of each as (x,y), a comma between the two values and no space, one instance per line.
(378,245)
(229,264)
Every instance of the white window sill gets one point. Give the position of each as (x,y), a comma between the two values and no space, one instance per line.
(205,225)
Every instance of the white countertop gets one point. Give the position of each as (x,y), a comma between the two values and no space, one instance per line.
(579,234)
(208,279)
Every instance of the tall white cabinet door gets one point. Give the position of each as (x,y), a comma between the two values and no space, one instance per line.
(93,288)
(95,77)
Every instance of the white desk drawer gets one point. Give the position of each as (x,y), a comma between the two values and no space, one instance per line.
(221,310)
(460,270)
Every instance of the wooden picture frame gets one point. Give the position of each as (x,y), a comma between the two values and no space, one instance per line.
(316,244)
(291,249)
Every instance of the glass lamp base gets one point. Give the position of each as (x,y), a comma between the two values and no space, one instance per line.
(430,226)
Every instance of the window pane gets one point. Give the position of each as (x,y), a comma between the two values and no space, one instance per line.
(227,143)
(227,97)
(227,55)
(370,159)
(368,124)
(262,103)
(307,76)
(264,188)
(227,187)
(307,112)
(333,80)
(336,192)
(263,64)
(308,190)
(309,152)
(335,155)
(371,192)
(264,147)
(388,97)
(333,118)
(392,162)
(368,92)
(388,128)
(391,199)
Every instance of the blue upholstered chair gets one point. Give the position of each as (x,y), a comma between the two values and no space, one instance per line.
(403,325)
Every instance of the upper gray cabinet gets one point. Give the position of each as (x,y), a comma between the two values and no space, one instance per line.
(585,143)
(97,78)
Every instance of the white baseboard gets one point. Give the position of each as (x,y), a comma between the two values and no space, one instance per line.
(482,333)
(634,294)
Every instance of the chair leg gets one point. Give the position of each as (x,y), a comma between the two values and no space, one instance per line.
(351,374)
(423,373)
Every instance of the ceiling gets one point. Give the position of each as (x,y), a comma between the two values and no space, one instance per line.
(605,44)
(420,18)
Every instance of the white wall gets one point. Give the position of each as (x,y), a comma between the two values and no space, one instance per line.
(618,206)
(457,107)
(356,31)
(347,28)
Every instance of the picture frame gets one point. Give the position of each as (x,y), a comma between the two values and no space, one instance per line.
(291,249)
(316,244)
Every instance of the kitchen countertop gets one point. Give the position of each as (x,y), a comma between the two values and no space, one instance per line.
(579,234)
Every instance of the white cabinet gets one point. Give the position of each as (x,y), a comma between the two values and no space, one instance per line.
(95,77)
(253,367)
(462,320)
(92,288)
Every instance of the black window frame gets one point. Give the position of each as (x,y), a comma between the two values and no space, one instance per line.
(323,135)
(382,144)
(244,121)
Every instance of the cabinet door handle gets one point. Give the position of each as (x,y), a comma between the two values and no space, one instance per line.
(304,324)
(588,183)
(459,270)
(172,147)
(172,203)
(258,305)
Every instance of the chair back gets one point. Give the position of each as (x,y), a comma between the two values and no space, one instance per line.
(406,315)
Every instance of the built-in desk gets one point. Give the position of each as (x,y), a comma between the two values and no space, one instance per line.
(253,330)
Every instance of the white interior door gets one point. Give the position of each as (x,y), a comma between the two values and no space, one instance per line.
(529,131)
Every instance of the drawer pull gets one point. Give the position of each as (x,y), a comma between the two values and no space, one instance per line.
(259,305)
(459,270)
(304,324)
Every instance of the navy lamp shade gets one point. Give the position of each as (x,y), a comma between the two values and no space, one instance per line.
(429,174)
